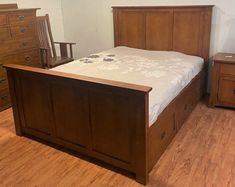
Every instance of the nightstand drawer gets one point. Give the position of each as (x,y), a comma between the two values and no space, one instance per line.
(227,91)
(227,69)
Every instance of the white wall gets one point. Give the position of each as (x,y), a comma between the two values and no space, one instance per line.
(51,7)
(90,24)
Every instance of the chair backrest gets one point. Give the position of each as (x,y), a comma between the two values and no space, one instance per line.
(8,6)
(46,40)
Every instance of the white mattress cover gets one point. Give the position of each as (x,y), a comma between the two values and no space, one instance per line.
(166,72)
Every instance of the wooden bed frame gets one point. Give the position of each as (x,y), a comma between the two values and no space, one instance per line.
(108,120)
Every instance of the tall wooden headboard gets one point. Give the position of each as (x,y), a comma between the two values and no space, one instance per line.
(176,28)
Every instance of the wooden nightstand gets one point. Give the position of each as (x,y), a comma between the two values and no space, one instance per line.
(222,91)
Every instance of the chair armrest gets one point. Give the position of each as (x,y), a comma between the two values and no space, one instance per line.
(70,43)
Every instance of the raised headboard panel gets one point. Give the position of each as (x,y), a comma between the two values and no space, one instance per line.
(170,28)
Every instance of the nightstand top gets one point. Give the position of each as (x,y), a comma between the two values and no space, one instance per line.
(224,58)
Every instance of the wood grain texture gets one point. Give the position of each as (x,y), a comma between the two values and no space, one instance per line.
(201,154)
(8,6)
(19,45)
(48,49)
(117,131)
(159,29)
(131,32)
(97,122)
(223,81)
(165,28)
(188,37)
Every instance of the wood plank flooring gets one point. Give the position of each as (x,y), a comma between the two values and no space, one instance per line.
(201,155)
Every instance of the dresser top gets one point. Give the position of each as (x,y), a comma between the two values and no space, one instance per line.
(225,58)
(17,10)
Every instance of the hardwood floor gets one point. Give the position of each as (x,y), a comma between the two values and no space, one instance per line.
(202,154)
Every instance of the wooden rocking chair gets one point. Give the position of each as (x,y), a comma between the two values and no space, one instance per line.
(47,45)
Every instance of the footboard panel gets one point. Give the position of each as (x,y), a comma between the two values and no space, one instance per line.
(102,119)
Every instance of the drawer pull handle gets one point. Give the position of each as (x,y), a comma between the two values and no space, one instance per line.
(27,58)
(2,81)
(21,18)
(4,98)
(163,135)
(22,30)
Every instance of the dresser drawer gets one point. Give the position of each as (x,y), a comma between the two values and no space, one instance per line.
(5,33)
(227,69)
(12,46)
(5,101)
(3,19)
(22,31)
(30,58)
(22,18)
(227,91)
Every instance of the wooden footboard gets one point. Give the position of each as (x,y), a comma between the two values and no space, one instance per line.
(103,119)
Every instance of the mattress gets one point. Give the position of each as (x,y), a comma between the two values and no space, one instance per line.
(167,72)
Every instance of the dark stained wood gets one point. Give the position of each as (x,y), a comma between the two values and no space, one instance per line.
(47,45)
(165,28)
(112,134)
(19,45)
(198,148)
(173,117)
(161,134)
(222,91)
(67,128)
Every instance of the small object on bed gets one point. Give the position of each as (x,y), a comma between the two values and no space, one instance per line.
(93,56)
(108,60)
(111,55)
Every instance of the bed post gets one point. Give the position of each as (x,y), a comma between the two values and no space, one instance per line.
(141,149)
(15,108)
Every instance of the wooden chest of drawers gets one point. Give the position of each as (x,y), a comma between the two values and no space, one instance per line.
(223,81)
(19,44)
